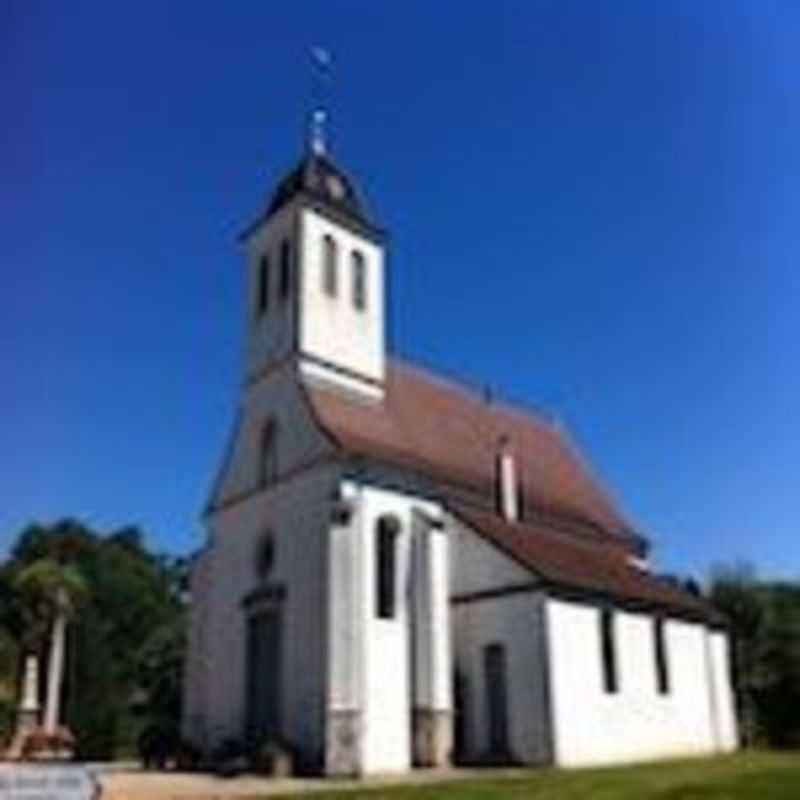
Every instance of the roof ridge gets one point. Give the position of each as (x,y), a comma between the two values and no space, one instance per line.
(460,384)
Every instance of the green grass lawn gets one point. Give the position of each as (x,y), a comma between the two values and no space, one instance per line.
(755,776)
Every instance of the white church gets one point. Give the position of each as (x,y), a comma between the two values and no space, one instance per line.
(400,572)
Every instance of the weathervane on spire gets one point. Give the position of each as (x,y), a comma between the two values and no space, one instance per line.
(321,61)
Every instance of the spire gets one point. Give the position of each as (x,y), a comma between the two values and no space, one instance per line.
(317,134)
(321,61)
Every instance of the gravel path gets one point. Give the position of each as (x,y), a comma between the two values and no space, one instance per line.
(138,785)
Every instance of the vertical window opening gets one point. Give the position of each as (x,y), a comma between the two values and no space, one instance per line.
(268,463)
(359,280)
(496,675)
(609,652)
(330,265)
(661,656)
(263,284)
(386,567)
(286,269)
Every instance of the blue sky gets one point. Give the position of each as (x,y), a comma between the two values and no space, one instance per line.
(592,206)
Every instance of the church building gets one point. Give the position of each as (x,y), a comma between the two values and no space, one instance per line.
(401,572)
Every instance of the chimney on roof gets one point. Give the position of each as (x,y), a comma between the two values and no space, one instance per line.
(508,499)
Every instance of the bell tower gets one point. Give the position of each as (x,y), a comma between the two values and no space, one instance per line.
(316,277)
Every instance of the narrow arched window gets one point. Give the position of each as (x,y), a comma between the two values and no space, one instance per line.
(263,284)
(386,567)
(359,280)
(286,269)
(268,453)
(264,556)
(608,652)
(330,265)
(661,656)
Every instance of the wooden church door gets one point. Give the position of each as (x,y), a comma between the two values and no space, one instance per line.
(496,698)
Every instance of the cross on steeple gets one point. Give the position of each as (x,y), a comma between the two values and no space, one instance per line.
(321,61)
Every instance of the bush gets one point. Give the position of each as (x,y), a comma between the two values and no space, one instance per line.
(230,758)
(158,745)
(188,758)
(8,718)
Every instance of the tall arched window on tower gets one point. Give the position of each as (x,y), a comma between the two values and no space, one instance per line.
(263,284)
(387,529)
(268,453)
(330,265)
(286,269)
(359,280)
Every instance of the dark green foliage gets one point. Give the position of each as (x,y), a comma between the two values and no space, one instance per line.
(125,641)
(8,715)
(765,623)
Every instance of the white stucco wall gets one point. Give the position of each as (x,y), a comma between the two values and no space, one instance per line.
(371,663)
(269,336)
(512,618)
(636,723)
(430,585)
(296,509)
(478,566)
(299,441)
(513,621)
(722,699)
(297,512)
(330,327)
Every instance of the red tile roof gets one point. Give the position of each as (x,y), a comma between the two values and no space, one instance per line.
(451,434)
(573,565)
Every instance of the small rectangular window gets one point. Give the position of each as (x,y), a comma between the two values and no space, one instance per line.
(268,457)
(286,269)
(661,656)
(263,284)
(608,652)
(386,568)
(359,281)
(330,266)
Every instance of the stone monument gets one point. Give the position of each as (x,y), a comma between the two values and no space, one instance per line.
(28,711)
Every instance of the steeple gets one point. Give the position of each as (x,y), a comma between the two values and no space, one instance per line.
(316,282)
(317,143)
(322,63)
(317,180)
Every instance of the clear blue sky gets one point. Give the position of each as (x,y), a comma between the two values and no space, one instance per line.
(593,207)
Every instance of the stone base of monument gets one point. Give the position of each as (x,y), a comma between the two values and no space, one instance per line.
(37,744)
(27,723)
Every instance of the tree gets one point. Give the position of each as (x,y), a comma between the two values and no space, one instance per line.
(55,592)
(734,593)
(764,618)
(133,593)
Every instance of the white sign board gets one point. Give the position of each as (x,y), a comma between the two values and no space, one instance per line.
(47,782)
